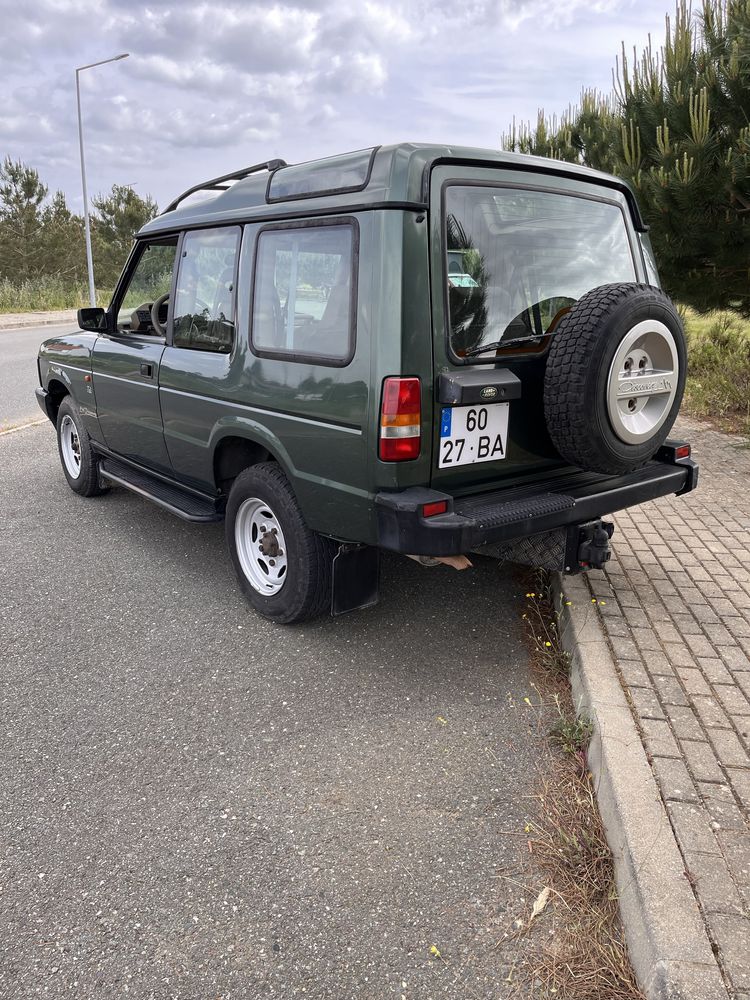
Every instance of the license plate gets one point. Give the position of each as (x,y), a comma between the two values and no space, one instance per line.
(470,434)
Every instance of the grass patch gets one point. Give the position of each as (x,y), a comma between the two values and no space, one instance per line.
(718,383)
(582,954)
(47,293)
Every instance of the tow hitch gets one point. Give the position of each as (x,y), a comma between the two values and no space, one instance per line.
(593,550)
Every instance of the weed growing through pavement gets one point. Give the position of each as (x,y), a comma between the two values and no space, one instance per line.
(581,953)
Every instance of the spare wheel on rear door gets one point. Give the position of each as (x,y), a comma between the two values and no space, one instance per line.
(615,377)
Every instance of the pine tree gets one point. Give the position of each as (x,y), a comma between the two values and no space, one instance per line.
(21,196)
(119,216)
(677,127)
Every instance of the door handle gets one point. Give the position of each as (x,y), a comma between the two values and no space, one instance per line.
(147,370)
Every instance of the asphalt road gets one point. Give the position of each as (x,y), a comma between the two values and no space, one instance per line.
(197,804)
(18,374)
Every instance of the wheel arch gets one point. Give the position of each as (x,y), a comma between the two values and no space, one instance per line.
(238,445)
(57,391)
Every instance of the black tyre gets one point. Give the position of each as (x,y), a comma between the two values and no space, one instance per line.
(283,567)
(76,455)
(615,378)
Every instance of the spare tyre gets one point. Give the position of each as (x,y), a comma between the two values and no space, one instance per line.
(615,377)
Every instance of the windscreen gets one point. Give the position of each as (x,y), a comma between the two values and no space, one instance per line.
(517,260)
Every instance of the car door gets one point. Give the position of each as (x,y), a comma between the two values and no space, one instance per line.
(126,359)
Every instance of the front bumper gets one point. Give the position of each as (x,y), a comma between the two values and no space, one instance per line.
(42,397)
(517,512)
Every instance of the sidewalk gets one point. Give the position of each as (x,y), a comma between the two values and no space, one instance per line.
(675,606)
(13,321)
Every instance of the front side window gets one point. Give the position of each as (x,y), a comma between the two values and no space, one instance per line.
(516,261)
(204,302)
(304,292)
(148,290)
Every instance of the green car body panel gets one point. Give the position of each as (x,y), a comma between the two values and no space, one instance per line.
(194,415)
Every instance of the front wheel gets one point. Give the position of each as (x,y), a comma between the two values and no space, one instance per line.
(76,454)
(283,567)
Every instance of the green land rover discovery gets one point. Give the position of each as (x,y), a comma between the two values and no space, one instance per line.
(428,349)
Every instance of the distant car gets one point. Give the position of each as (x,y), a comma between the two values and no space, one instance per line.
(426,349)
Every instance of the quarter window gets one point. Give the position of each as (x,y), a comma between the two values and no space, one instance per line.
(302,303)
(204,303)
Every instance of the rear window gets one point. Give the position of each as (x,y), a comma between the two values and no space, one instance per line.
(517,260)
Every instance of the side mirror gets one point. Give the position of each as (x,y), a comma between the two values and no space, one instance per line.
(92,318)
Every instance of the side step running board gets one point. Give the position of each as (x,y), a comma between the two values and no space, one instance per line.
(184,504)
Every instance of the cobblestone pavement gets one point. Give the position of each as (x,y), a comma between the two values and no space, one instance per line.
(675,603)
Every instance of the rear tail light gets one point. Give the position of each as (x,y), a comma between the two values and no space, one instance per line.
(400,420)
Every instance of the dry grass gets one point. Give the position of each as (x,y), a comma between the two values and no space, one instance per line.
(582,953)
(718,383)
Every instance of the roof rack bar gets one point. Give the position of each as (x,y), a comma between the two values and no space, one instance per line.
(215,183)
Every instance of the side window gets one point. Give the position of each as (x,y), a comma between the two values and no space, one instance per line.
(304,293)
(204,303)
(150,281)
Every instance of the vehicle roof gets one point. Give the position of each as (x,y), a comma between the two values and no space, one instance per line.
(381,175)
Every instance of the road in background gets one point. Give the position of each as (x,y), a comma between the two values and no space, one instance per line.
(18,373)
(197,803)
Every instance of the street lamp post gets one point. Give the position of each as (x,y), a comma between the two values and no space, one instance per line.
(87,223)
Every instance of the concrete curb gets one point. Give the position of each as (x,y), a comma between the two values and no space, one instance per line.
(16,321)
(664,930)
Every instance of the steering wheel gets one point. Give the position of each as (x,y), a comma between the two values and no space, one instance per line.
(155,321)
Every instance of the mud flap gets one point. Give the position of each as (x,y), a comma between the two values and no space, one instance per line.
(356,578)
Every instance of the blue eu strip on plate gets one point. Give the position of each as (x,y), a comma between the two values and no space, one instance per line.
(445,422)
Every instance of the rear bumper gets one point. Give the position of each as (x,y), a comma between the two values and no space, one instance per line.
(517,512)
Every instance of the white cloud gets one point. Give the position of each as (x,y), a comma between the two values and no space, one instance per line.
(210,86)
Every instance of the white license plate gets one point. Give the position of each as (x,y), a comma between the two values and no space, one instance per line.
(470,434)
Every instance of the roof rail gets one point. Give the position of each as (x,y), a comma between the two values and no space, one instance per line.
(219,183)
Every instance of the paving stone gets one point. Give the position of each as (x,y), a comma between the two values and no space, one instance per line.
(735,845)
(712,881)
(674,781)
(725,814)
(658,663)
(732,934)
(636,618)
(701,761)
(659,739)
(692,828)
(623,648)
(693,681)
(616,627)
(670,690)
(678,654)
(634,673)
(739,779)
(645,639)
(733,699)
(728,748)
(684,722)
(646,703)
(710,712)
(733,656)
(714,670)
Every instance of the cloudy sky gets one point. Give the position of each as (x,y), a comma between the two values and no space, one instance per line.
(211,87)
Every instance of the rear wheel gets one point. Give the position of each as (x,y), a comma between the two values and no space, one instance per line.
(283,567)
(76,454)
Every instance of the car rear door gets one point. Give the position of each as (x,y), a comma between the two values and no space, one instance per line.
(509,253)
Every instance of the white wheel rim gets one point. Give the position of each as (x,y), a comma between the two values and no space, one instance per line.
(71,446)
(261,547)
(642,382)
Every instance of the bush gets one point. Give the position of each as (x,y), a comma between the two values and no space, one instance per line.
(38,294)
(718,382)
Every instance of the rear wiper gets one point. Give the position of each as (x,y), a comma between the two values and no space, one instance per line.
(503,343)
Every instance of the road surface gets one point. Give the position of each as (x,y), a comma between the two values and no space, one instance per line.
(18,374)
(198,804)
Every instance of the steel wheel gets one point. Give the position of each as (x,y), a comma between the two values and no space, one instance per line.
(70,445)
(261,548)
(643,381)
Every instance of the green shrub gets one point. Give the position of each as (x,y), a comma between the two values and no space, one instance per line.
(718,382)
(45,293)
